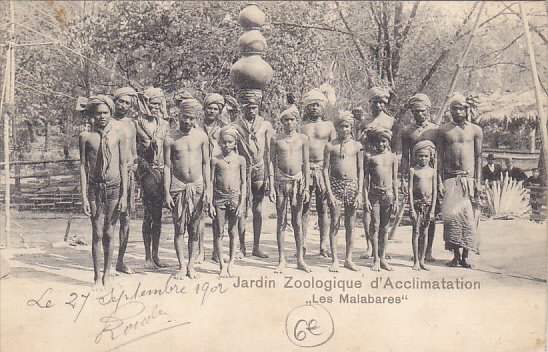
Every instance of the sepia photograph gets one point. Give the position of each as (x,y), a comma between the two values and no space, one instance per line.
(273,176)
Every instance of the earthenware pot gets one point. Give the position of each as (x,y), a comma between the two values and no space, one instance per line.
(252,42)
(251,72)
(251,17)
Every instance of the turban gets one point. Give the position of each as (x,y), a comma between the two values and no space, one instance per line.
(291,111)
(124,91)
(314,96)
(190,107)
(251,96)
(419,101)
(426,144)
(100,99)
(232,102)
(376,132)
(182,95)
(345,116)
(379,93)
(458,99)
(229,130)
(152,93)
(214,98)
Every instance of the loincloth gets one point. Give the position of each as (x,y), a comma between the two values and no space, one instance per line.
(227,201)
(316,178)
(422,208)
(151,181)
(381,194)
(290,186)
(102,193)
(460,214)
(344,190)
(188,199)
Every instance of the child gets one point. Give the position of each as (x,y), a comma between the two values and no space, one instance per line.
(381,171)
(229,193)
(289,157)
(103,181)
(343,161)
(422,198)
(186,182)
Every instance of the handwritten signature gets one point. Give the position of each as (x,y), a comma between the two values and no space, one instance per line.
(309,325)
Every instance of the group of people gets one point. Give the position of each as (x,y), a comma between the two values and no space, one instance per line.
(494,172)
(221,158)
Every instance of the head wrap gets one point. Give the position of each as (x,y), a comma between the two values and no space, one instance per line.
(291,111)
(124,91)
(181,95)
(214,98)
(100,99)
(345,116)
(377,132)
(425,144)
(229,130)
(232,102)
(314,96)
(419,101)
(153,93)
(458,99)
(379,93)
(250,96)
(190,107)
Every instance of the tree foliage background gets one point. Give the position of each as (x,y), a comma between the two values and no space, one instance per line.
(410,46)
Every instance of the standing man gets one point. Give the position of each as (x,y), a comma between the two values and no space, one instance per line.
(124,100)
(212,124)
(152,129)
(254,144)
(422,130)
(460,143)
(319,133)
(491,172)
(514,172)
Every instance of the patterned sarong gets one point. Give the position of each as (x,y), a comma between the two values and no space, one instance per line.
(188,199)
(227,201)
(458,213)
(291,186)
(344,190)
(422,208)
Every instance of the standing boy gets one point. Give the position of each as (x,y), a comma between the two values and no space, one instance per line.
(381,192)
(423,187)
(343,175)
(289,157)
(229,194)
(103,181)
(186,182)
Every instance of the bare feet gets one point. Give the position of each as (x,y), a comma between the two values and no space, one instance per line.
(464,264)
(230,271)
(113,273)
(364,256)
(281,267)
(416,266)
(258,253)
(423,267)
(324,252)
(385,266)
(106,282)
(301,265)
(191,273)
(98,286)
(160,264)
(376,266)
(180,274)
(453,263)
(149,264)
(239,255)
(224,273)
(200,258)
(123,268)
(429,258)
(350,265)
(334,268)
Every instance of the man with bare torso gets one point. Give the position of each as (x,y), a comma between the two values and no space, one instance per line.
(422,130)
(254,145)
(186,182)
(152,129)
(124,100)
(319,133)
(103,182)
(460,143)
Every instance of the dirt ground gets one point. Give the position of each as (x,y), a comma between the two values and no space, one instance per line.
(44,304)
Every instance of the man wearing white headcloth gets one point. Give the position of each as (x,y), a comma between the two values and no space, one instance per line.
(152,130)
(459,163)
(124,100)
(422,130)
(319,133)
(212,123)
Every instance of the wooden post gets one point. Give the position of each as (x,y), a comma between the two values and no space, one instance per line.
(541,111)
(7,202)
(459,66)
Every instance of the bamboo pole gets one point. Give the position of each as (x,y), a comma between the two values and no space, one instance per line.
(541,112)
(460,64)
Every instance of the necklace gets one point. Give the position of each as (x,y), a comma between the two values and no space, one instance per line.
(342,153)
(226,159)
(287,137)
